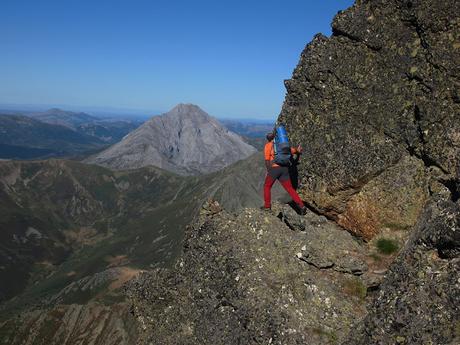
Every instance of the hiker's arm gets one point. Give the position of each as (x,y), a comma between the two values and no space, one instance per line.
(267,165)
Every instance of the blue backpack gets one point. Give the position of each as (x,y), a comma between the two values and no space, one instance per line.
(282,147)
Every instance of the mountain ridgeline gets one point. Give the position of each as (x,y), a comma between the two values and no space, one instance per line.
(107,130)
(25,137)
(185,140)
(58,133)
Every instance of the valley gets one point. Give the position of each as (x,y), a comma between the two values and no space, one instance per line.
(63,221)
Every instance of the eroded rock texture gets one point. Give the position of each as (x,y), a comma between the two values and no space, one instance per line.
(254,279)
(376,107)
(419,302)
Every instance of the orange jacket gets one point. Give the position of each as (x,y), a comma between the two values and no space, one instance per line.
(269,152)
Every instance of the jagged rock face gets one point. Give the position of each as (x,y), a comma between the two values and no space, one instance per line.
(256,278)
(419,302)
(185,140)
(383,88)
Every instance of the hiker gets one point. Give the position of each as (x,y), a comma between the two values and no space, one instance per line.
(279,172)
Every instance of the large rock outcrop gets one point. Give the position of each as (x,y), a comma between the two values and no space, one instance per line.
(185,140)
(376,107)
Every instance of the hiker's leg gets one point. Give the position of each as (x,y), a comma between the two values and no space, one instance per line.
(288,187)
(269,181)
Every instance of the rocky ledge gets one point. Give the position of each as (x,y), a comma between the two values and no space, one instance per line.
(257,278)
(279,278)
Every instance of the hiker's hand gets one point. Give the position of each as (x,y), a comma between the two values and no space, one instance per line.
(299,149)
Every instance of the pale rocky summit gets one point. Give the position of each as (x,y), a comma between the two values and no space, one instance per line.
(185,140)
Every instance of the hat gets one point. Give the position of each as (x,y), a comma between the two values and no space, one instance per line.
(270,136)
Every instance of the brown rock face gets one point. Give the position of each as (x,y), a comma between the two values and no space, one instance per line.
(392,200)
(376,107)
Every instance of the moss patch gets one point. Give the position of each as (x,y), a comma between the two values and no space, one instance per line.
(355,287)
(330,336)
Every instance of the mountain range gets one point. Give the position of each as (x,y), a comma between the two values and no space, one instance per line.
(25,137)
(58,133)
(108,130)
(56,116)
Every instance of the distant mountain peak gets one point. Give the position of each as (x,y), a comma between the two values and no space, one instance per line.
(182,107)
(186,140)
(59,111)
(188,110)
(57,116)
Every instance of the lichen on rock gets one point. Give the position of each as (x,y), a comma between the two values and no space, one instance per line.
(246,278)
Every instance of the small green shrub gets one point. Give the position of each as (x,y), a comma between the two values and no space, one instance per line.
(387,246)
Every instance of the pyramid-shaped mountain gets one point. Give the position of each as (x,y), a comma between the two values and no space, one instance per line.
(185,140)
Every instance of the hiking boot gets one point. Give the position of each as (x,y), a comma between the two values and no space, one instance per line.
(303,211)
(267,209)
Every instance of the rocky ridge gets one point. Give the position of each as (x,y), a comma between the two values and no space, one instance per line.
(280,278)
(256,277)
(185,140)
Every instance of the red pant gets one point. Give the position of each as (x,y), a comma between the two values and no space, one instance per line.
(286,183)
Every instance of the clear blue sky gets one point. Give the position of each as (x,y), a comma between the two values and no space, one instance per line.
(229,57)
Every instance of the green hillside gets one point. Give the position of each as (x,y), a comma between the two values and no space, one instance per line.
(62,221)
(22,137)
